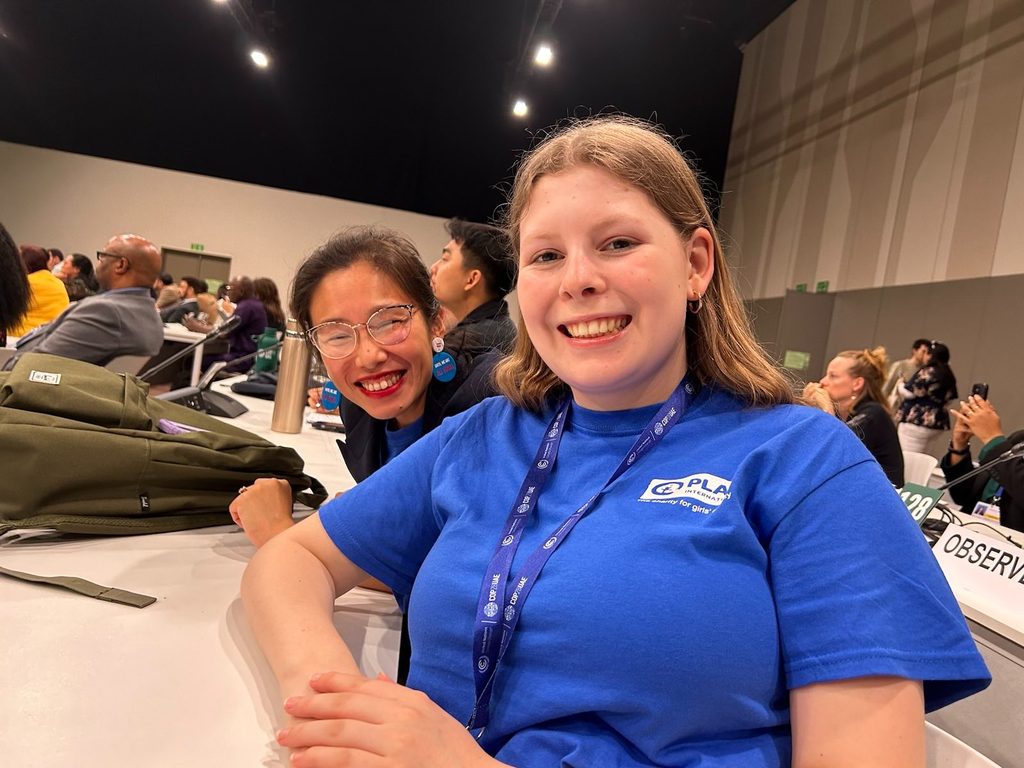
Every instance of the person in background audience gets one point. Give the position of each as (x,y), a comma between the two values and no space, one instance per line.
(54,258)
(266,292)
(79,276)
(696,607)
(189,289)
(902,371)
(923,417)
(241,340)
(208,313)
(119,321)
(14,286)
(475,272)
(166,291)
(854,382)
(1003,484)
(49,296)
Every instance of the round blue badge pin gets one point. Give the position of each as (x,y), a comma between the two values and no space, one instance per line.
(330,397)
(444,367)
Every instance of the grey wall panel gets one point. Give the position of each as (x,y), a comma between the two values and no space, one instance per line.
(902,318)
(764,316)
(854,317)
(954,317)
(979,319)
(999,349)
(804,327)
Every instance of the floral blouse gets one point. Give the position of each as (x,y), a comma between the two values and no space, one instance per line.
(929,395)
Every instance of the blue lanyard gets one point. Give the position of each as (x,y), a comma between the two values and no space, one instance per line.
(501,599)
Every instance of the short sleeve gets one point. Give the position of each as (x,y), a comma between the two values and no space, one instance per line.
(387,523)
(858,592)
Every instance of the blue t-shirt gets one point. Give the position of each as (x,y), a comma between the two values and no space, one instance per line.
(754,550)
(397,440)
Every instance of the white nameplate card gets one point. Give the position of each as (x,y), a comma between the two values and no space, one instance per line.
(983,564)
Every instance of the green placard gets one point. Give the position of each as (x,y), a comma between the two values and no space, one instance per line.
(198,247)
(919,500)
(821,287)
(797,361)
(801,287)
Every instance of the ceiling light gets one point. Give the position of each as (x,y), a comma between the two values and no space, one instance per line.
(220,2)
(259,58)
(519,109)
(544,55)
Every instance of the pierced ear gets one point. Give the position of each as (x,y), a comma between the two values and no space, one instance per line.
(701,256)
(437,326)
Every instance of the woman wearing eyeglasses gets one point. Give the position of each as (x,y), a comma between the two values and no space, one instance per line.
(365,303)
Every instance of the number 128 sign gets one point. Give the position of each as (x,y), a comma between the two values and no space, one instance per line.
(919,500)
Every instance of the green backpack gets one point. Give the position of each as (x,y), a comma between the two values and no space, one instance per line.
(84,450)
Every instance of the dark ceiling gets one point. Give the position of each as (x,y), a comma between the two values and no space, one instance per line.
(393,102)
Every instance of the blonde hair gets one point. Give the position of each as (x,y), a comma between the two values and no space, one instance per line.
(872,365)
(720,345)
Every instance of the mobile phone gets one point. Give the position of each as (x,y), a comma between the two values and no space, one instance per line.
(327,426)
(980,389)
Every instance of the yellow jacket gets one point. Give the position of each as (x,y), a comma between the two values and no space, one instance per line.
(48,298)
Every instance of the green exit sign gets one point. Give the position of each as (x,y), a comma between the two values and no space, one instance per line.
(801,287)
(821,287)
(198,247)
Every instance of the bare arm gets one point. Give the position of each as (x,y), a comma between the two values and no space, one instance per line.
(289,590)
(858,722)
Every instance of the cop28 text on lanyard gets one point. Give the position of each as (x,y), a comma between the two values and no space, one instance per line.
(492,632)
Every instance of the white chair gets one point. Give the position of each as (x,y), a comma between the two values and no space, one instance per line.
(917,467)
(943,750)
(130,364)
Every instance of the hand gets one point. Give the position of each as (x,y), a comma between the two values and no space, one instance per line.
(195,325)
(962,434)
(357,721)
(263,509)
(982,418)
(226,306)
(313,401)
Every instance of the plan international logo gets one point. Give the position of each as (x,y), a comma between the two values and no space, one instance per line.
(701,492)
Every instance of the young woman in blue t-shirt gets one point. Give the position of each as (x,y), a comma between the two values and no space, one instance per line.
(649,500)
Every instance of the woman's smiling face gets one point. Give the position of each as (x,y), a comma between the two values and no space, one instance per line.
(603,284)
(388,382)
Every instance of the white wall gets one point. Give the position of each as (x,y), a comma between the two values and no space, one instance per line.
(75,203)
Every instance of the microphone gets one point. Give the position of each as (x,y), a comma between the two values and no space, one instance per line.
(1015,452)
(202,398)
(226,327)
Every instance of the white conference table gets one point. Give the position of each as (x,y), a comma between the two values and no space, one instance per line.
(179,333)
(85,683)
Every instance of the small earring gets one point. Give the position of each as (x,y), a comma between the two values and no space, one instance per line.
(695,307)
(444,363)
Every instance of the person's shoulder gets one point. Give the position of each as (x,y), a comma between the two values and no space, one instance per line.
(782,427)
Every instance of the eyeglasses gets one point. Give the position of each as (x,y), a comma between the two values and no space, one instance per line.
(386,326)
(101,255)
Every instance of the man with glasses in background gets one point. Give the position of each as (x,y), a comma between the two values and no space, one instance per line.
(120,320)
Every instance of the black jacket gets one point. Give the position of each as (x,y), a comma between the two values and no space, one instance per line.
(874,426)
(1009,474)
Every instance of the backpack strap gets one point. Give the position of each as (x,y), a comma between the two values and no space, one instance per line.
(84,587)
